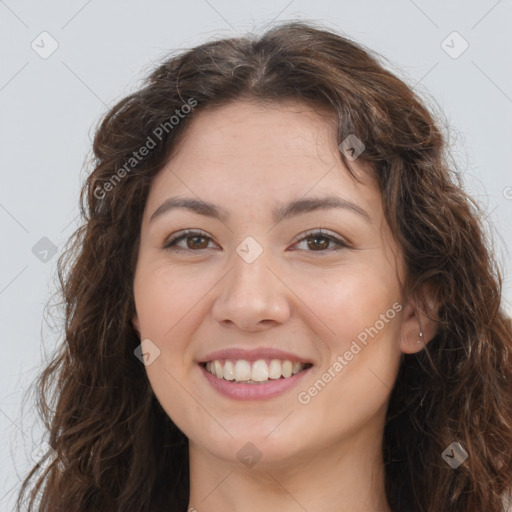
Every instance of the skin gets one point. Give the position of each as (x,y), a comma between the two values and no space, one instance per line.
(298,296)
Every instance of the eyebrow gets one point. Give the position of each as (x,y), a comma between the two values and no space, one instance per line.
(297,207)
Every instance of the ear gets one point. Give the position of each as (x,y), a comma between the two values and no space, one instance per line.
(418,326)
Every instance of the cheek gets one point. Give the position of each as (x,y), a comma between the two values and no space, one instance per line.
(166,302)
(163,297)
(363,330)
(346,301)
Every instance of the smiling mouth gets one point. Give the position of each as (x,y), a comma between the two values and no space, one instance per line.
(260,371)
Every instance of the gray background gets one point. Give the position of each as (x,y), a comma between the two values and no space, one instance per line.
(50,106)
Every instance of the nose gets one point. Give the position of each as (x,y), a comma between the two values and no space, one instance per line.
(252,296)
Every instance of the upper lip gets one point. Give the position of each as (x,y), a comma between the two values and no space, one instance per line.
(253,355)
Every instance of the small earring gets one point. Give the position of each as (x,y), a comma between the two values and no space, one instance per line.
(421,337)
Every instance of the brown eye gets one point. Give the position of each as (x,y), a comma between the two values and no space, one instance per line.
(318,241)
(194,240)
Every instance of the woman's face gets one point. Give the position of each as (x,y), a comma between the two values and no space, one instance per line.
(252,290)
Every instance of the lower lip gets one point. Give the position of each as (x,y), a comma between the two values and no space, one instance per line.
(240,391)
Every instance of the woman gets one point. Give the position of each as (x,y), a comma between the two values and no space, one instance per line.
(280,299)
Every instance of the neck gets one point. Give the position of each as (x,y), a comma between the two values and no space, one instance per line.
(349,477)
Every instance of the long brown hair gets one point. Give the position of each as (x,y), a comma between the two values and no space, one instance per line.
(117,450)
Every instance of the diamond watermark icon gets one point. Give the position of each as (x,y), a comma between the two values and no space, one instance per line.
(351,147)
(454,45)
(249,250)
(147,352)
(44,249)
(455,455)
(249,455)
(44,45)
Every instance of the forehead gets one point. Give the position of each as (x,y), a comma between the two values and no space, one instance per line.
(247,152)
(245,128)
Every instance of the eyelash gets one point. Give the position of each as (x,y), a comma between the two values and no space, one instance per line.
(170,244)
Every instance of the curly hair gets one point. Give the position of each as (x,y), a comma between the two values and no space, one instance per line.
(103,419)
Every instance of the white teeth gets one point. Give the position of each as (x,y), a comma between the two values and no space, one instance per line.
(242,370)
(229,370)
(286,369)
(218,369)
(296,368)
(274,370)
(259,371)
